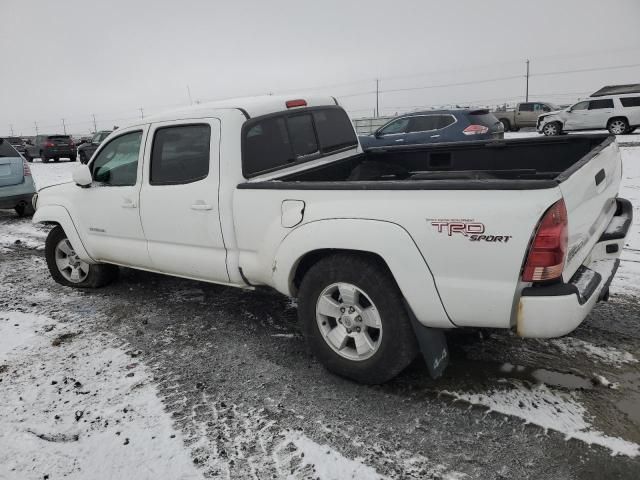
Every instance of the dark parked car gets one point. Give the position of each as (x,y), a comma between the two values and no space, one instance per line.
(436,126)
(87,149)
(17,143)
(47,147)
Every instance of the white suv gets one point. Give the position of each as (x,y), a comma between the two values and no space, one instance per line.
(617,113)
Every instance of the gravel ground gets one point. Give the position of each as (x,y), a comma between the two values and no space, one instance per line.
(232,370)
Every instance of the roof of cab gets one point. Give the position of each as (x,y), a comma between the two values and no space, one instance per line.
(250,106)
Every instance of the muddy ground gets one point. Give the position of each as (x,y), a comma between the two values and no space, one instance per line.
(233,371)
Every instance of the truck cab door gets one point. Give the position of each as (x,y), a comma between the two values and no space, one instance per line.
(526,115)
(179,200)
(107,213)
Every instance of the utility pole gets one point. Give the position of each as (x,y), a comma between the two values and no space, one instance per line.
(141,113)
(189,93)
(36,124)
(11,127)
(95,129)
(526,97)
(377,98)
(64,127)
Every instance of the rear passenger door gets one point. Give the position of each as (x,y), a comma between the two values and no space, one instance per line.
(179,200)
(600,111)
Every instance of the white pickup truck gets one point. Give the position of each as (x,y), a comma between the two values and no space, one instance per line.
(385,249)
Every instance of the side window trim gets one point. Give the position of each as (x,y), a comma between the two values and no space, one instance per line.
(409,117)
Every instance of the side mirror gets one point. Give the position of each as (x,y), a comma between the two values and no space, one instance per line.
(82,176)
(377,133)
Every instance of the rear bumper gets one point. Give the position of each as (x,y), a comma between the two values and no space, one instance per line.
(59,151)
(557,309)
(15,200)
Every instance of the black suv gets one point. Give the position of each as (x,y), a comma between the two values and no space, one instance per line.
(48,147)
(87,149)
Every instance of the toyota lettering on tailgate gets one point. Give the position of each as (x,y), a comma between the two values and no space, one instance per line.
(474,231)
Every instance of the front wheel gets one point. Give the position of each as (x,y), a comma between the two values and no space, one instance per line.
(354,319)
(68,269)
(505,124)
(83,157)
(552,129)
(28,157)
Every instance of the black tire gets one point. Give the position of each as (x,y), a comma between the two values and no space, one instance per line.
(83,157)
(398,346)
(99,274)
(24,210)
(552,129)
(618,126)
(56,159)
(506,124)
(28,157)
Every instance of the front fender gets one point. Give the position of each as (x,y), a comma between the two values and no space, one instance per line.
(386,239)
(58,214)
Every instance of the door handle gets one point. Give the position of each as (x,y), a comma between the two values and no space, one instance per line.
(400,140)
(201,206)
(128,203)
(435,136)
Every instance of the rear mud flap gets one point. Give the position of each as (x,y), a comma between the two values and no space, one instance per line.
(433,345)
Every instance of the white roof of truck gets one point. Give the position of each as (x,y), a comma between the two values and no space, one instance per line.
(253,106)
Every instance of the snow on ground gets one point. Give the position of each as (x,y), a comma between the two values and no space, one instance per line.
(607,355)
(549,409)
(81,409)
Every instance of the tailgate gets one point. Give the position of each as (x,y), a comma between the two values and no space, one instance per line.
(11,171)
(590,188)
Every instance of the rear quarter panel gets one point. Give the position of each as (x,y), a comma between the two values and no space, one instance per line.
(476,279)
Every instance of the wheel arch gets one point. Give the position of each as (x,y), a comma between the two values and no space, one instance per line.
(382,241)
(58,215)
(618,117)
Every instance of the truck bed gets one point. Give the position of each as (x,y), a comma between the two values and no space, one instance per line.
(536,163)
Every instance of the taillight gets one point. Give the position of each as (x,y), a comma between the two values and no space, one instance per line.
(49,144)
(296,103)
(548,250)
(25,169)
(475,130)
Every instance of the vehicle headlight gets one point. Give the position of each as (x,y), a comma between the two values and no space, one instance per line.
(34,201)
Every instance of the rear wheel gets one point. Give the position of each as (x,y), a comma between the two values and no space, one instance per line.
(56,159)
(505,123)
(28,157)
(24,210)
(618,126)
(68,269)
(83,157)
(44,158)
(552,129)
(354,319)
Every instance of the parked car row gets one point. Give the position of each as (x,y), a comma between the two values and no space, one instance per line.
(16,183)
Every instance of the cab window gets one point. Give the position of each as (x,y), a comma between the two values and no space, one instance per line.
(117,163)
(580,106)
(180,154)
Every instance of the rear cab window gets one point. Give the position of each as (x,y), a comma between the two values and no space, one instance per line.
(278,140)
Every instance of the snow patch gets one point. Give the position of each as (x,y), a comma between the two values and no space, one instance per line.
(83,409)
(550,410)
(608,355)
(325,462)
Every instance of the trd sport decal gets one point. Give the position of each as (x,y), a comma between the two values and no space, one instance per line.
(471,229)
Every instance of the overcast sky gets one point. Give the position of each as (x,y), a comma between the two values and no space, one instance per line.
(69,59)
